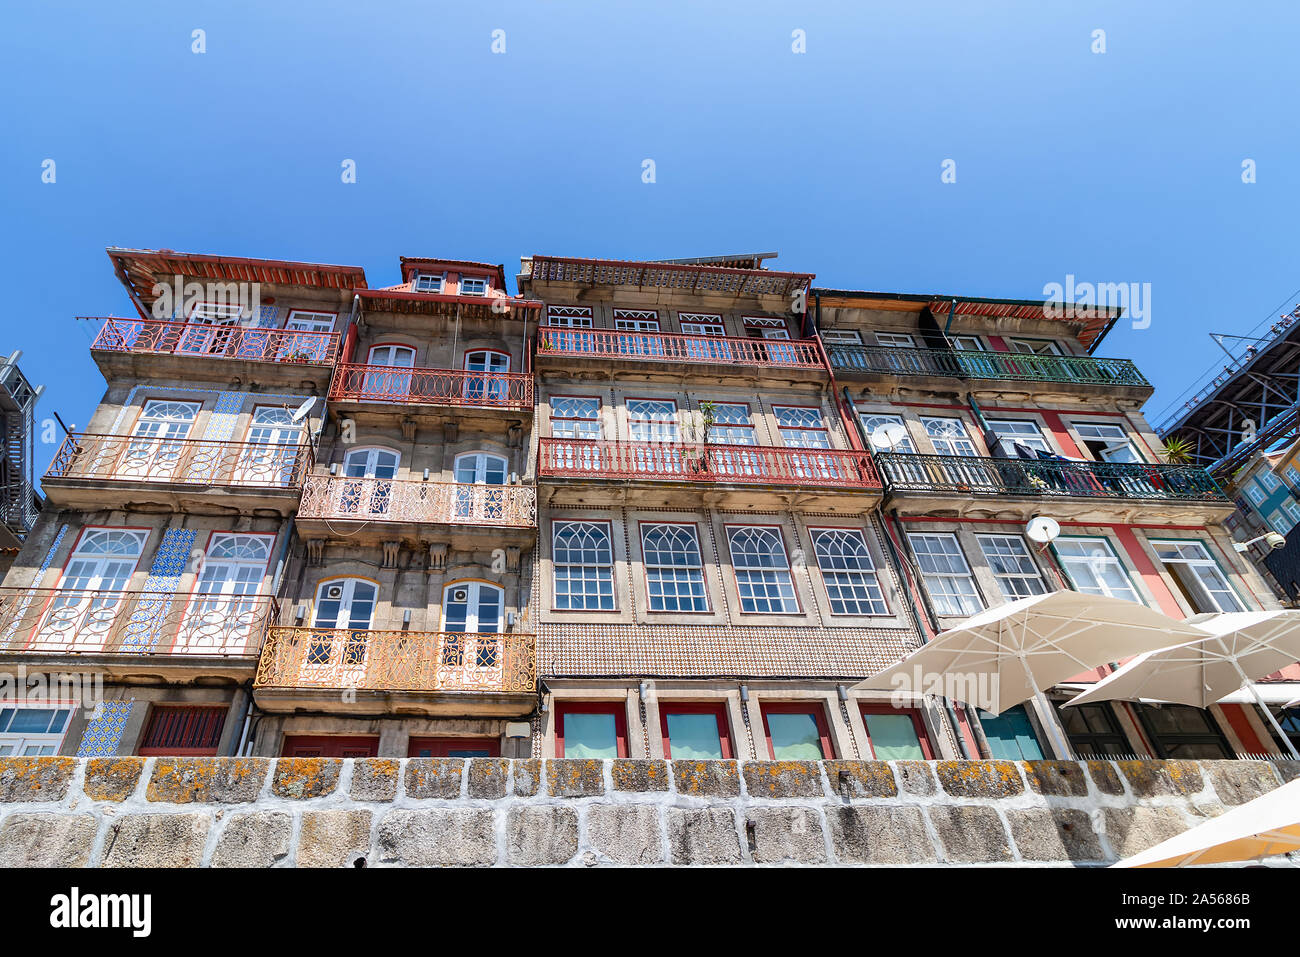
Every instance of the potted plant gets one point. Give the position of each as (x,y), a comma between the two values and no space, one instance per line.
(1177,450)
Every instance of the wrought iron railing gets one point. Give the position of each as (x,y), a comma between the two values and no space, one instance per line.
(972,364)
(80,621)
(295,657)
(137,458)
(404,500)
(367,383)
(747,464)
(204,340)
(666,347)
(971,475)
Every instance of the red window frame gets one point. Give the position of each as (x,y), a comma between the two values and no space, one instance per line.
(927,749)
(816,709)
(442,747)
(735,578)
(197,722)
(823,428)
(330,746)
(717,709)
(553,418)
(593,707)
(636,419)
(636,315)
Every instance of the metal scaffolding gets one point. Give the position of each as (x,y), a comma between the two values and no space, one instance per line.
(19,503)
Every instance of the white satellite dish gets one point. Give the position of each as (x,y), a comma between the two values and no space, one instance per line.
(889,436)
(1043,529)
(303,410)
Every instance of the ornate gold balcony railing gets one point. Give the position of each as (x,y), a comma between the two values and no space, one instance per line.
(405,500)
(81,621)
(139,458)
(417,661)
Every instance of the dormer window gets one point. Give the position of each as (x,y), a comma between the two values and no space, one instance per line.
(473,286)
(428,282)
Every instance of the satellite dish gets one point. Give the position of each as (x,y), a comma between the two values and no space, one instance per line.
(303,410)
(889,436)
(1043,529)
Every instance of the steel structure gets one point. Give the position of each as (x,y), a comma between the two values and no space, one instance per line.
(19,503)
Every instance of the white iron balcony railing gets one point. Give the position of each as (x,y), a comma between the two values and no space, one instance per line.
(406,500)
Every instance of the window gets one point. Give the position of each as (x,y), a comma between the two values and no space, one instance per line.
(966,343)
(1198,575)
(1010,735)
(841,337)
(896,734)
(1093,567)
(898,339)
(572,318)
(344,610)
(303,321)
(700,324)
(473,286)
(652,420)
(1179,731)
(274,450)
(1012,565)
(590,731)
(852,585)
(636,320)
(569,317)
(762,570)
(182,730)
(345,603)
(82,611)
(1013,432)
(875,420)
(584,566)
(1106,442)
(1037,347)
(575,417)
(472,608)
(731,425)
(33,732)
(946,574)
(695,731)
(426,282)
(1293,476)
(674,570)
(801,427)
(330,746)
(453,748)
(1280,522)
(1292,511)
(385,378)
(948,436)
(368,488)
(1092,731)
(224,612)
(796,732)
(1256,493)
(480,469)
(488,383)
(157,443)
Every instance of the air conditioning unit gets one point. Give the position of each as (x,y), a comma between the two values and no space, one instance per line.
(460,594)
(334,592)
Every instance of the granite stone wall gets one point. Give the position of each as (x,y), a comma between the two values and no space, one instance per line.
(429,812)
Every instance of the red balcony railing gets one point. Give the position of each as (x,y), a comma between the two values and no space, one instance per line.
(366,383)
(203,340)
(79,621)
(747,464)
(666,347)
(138,458)
(406,500)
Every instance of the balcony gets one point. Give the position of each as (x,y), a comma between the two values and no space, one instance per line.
(742,467)
(439,672)
(883,362)
(116,629)
(381,509)
(163,349)
(404,389)
(94,471)
(970,476)
(661,352)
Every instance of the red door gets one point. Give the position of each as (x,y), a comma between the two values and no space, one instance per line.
(330,746)
(454,748)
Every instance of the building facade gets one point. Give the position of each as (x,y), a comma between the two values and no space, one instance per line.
(639,509)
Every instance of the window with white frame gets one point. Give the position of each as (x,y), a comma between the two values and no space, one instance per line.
(302,320)
(946,574)
(1292,510)
(1268,480)
(762,570)
(583,561)
(1013,432)
(473,286)
(674,569)
(1293,476)
(1256,493)
(428,282)
(1280,522)
(1198,576)
(1038,347)
(801,427)
(898,339)
(636,320)
(33,731)
(575,417)
(841,337)
(1012,565)
(966,343)
(652,420)
(852,585)
(731,424)
(570,317)
(874,420)
(1107,442)
(700,324)
(1094,568)
(948,435)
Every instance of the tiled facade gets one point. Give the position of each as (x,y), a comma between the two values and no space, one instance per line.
(664,510)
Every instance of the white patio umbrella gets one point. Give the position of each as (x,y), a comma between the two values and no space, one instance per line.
(1264,827)
(1008,654)
(1237,647)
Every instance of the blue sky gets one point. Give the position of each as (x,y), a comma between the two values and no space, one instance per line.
(1115,167)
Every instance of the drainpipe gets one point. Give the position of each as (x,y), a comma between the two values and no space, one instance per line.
(237,741)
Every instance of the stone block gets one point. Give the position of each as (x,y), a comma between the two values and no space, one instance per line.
(374,779)
(981,779)
(541,835)
(640,775)
(1289,769)
(1154,778)
(525,776)
(707,778)
(783,835)
(1236,782)
(879,834)
(488,777)
(206,780)
(254,839)
(970,834)
(112,779)
(337,838)
(703,835)
(156,840)
(1057,778)
(47,840)
(783,779)
(434,777)
(861,779)
(575,777)
(626,833)
(1054,834)
(1133,829)
(438,837)
(302,778)
(1104,777)
(916,777)
(35,779)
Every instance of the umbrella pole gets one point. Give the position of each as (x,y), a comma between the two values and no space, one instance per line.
(1268,712)
(1054,733)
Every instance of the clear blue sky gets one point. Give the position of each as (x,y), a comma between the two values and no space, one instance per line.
(1119,167)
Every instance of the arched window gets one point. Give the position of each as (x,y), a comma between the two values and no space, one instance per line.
(345,603)
(345,608)
(472,608)
(385,380)
(367,487)
(847,570)
(487,383)
(674,572)
(762,570)
(90,589)
(584,566)
(480,468)
(225,611)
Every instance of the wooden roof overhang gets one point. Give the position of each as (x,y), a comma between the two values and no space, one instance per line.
(694,279)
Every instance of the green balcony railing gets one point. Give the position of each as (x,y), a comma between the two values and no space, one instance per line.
(894,360)
(972,475)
